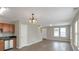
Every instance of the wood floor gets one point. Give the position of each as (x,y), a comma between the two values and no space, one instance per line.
(47,45)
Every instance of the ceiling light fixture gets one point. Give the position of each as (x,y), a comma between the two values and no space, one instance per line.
(33,19)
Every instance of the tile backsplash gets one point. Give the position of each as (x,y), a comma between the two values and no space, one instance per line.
(6,34)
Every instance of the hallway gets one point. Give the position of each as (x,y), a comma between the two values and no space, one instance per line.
(47,45)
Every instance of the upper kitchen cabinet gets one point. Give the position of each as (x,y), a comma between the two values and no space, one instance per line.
(5,27)
(11,28)
(1,27)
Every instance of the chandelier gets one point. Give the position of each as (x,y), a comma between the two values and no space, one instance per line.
(33,19)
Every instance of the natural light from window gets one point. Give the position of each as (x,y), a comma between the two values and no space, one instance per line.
(56,32)
(76,33)
(60,32)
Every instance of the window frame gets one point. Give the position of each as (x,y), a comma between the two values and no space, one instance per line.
(59,34)
(65,32)
(58,31)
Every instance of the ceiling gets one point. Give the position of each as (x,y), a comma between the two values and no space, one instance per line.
(45,15)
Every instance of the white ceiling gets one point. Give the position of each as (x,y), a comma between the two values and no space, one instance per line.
(45,15)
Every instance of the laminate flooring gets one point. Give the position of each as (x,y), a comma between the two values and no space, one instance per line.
(47,45)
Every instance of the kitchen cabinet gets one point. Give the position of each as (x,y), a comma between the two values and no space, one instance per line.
(1,25)
(1,45)
(11,28)
(7,44)
(5,27)
(14,43)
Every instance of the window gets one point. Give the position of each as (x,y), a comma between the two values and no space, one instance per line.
(56,32)
(62,32)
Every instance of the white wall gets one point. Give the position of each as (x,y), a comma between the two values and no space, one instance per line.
(17,33)
(78,33)
(23,35)
(76,18)
(33,34)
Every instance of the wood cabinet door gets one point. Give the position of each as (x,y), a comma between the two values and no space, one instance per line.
(1,45)
(5,27)
(1,25)
(11,28)
(14,43)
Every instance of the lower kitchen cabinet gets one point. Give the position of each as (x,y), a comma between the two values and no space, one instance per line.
(14,43)
(7,44)
(1,45)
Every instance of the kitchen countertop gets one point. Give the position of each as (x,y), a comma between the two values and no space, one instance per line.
(7,38)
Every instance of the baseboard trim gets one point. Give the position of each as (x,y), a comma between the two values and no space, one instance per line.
(29,44)
(60,40)
(33,42)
